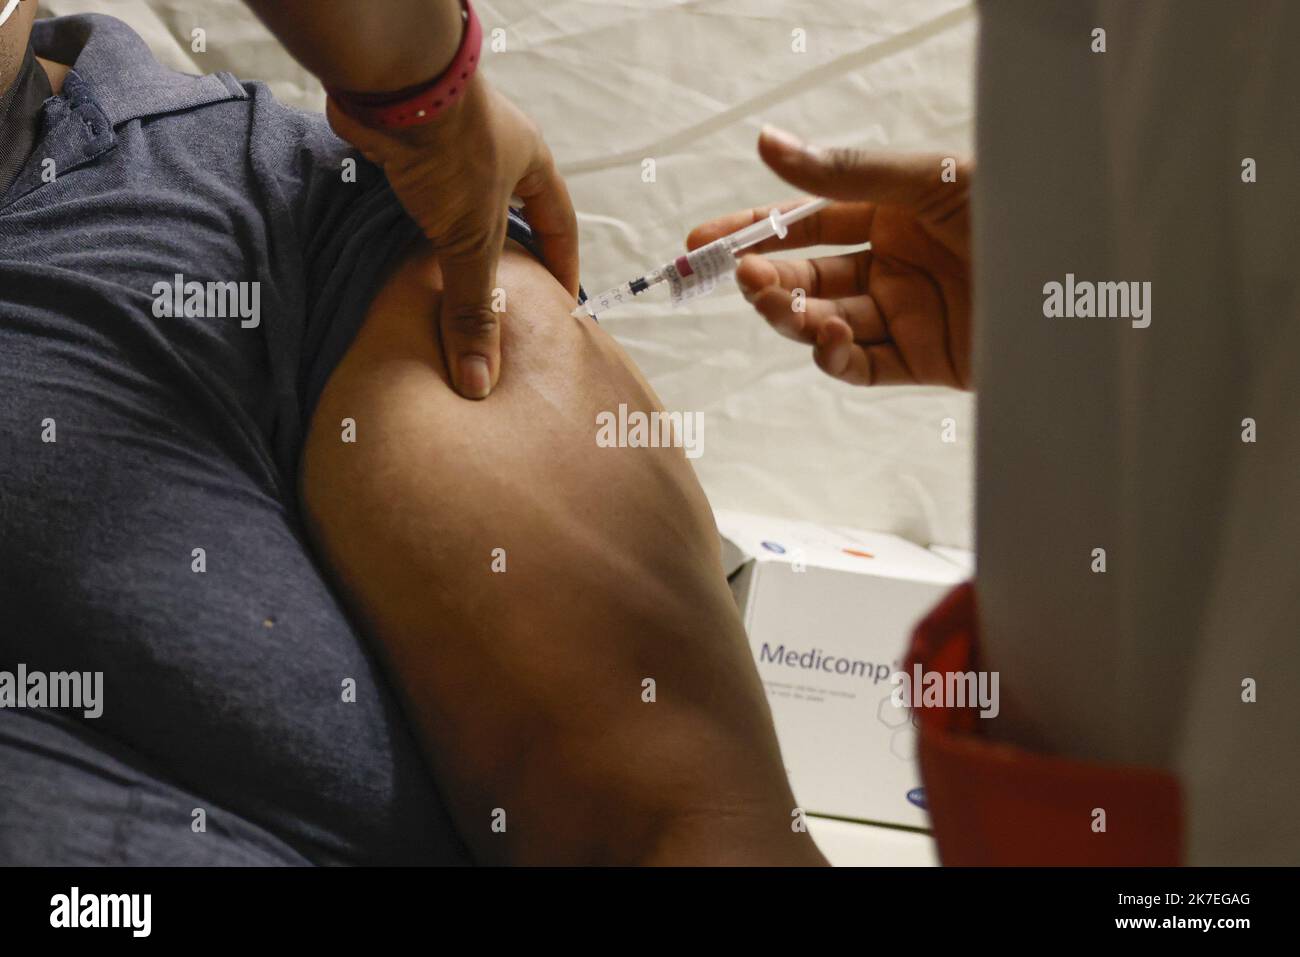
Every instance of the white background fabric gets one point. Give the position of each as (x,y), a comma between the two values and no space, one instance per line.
(688,84)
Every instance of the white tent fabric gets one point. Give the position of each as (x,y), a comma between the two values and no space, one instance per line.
(687,84)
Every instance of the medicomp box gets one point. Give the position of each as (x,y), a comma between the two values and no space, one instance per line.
(962,557)
(829,612)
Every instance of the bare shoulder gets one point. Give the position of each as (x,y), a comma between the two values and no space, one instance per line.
(533,440)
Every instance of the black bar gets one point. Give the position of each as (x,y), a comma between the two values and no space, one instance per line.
(887,907)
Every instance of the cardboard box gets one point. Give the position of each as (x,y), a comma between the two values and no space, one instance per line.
(829,613)
(849,844)
(961,557)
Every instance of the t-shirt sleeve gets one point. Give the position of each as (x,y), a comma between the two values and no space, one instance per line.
(352,231)
(334,229)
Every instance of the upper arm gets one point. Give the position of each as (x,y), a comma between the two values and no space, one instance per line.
(525,582)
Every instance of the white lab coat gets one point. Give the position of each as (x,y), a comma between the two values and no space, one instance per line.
(1093,434)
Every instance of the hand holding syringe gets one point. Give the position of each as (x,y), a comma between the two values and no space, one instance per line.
(697,272)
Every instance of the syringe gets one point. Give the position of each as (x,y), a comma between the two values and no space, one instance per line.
(697,272)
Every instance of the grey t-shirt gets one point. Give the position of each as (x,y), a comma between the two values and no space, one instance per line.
(134,433)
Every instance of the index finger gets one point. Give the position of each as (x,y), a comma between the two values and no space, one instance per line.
(840,224)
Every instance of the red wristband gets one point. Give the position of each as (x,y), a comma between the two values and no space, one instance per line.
(424,103)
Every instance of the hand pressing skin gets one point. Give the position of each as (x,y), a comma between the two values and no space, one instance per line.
(898,313)
(454,175)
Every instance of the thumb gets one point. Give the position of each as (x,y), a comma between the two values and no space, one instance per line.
(902,179)
(470,325)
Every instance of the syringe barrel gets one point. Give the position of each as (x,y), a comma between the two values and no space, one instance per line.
(756,233)
(776,223)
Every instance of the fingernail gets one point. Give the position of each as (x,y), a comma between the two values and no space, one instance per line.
(475,379)
(781,138)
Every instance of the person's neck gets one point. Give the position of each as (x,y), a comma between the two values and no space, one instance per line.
(56,72)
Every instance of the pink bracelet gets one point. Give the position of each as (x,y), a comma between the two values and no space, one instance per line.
(424,103)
